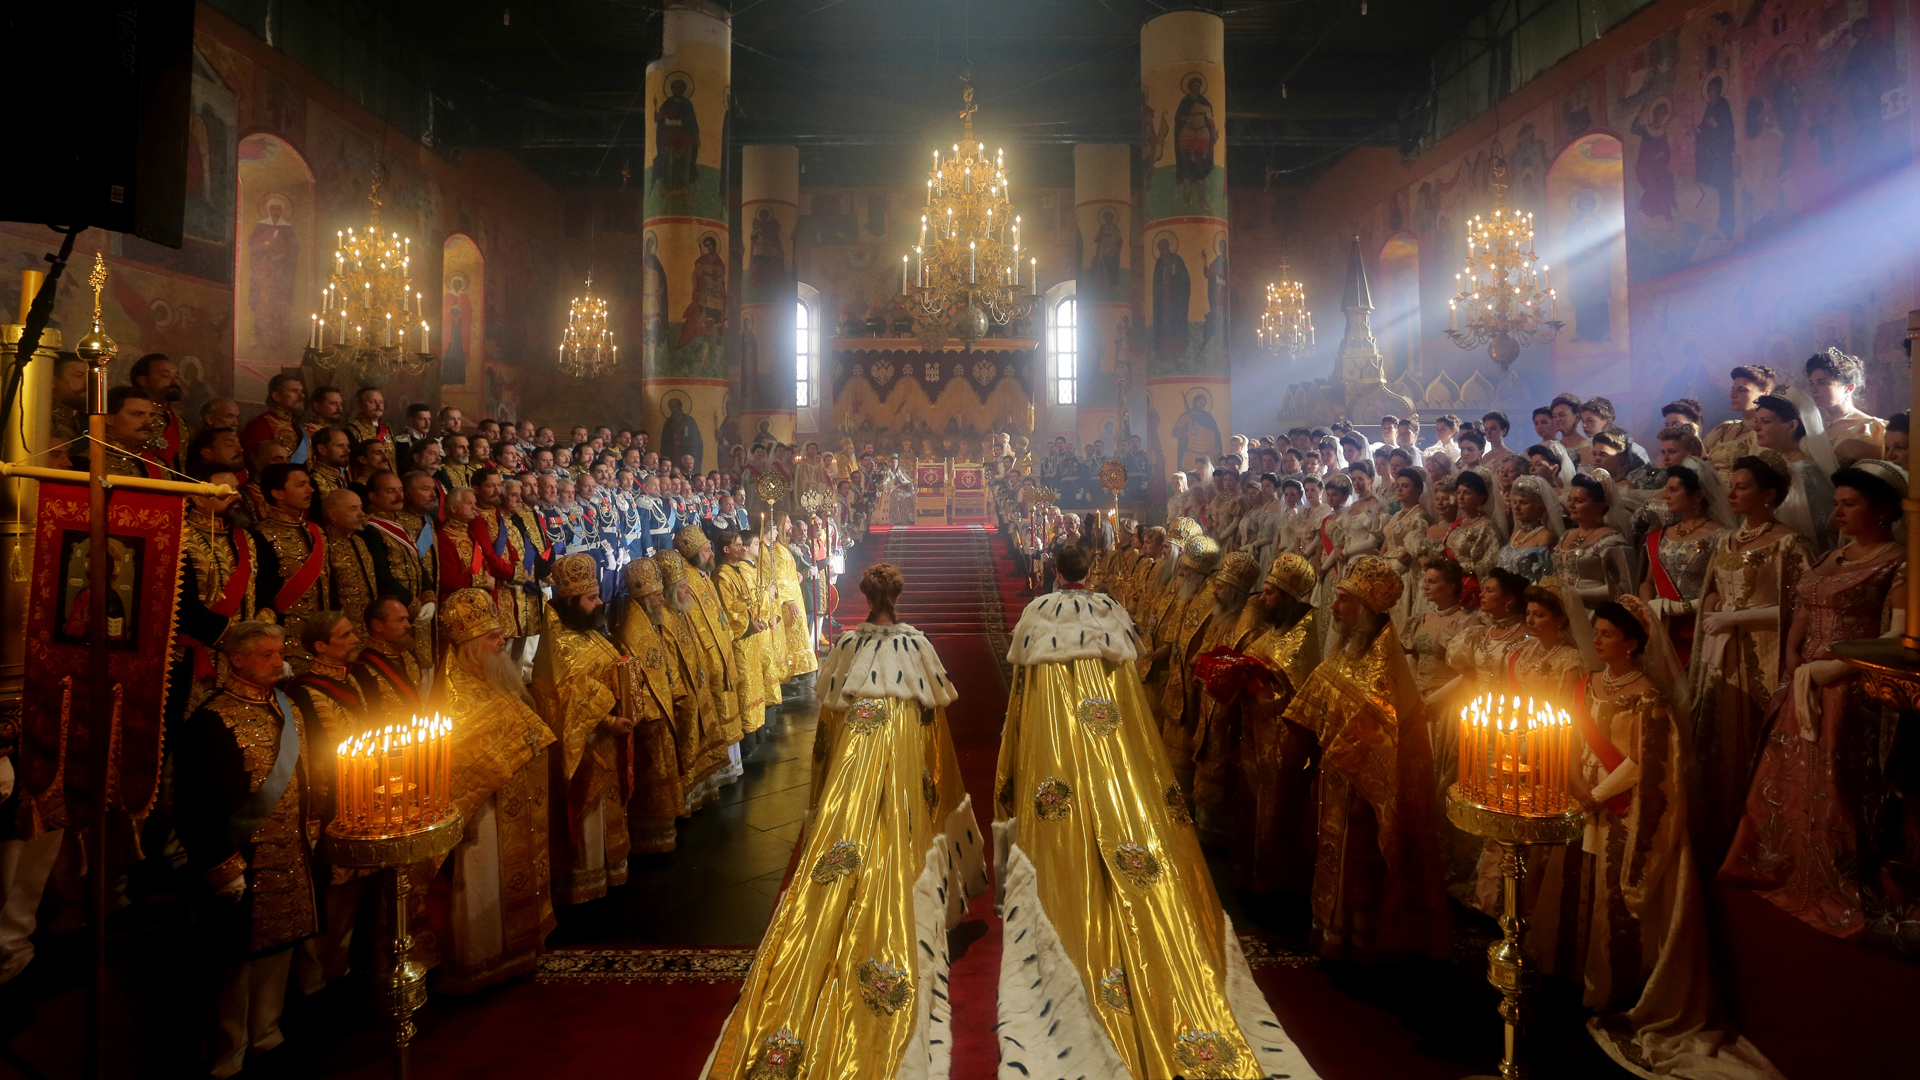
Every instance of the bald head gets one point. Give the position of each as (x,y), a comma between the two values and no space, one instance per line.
(341,510)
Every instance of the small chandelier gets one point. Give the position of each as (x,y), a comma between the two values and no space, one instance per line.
(1286,326)
(965,272)
(1508,305)
(369,315)
(587,348)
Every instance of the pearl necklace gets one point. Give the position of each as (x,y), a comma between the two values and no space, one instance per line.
(1612,683)
(1747,534)
(1869,556)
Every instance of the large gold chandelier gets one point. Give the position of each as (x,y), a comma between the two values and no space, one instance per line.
(1286,326)
(587,348)
(369,316)
(1508,301)
(968,275)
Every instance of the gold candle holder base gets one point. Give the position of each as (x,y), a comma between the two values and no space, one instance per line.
(1510,967)
(400,986)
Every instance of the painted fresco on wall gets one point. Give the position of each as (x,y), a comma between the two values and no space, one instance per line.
(1739,123)
(1585,243)
(211,132)
(684,175)
(275,259)
(502,392)
(462,311)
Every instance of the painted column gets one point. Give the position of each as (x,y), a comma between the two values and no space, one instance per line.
(684,302)
(1103,211)
(769,207)
(1184,262)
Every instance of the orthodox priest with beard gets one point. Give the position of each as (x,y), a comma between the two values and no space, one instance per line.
(710,751)
(1272,779)
(1216,734)
(575,686)
(1182,630)
(502,906)
(707,618)
(1127,965)
(658,794)
(1377,887)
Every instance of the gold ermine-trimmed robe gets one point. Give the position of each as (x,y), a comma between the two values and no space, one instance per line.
(850,980)
(1126,964)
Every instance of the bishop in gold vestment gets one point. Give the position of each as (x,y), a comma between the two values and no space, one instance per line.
(1126,965)
(1377,887)
(783,574)
(708,620)
(652,698)
(575,686)
(851,978)
(709,749)
(502,906)
(743,598)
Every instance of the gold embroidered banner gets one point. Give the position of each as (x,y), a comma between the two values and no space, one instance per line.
(58,738)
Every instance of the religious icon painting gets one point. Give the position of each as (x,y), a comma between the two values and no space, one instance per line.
(58,706)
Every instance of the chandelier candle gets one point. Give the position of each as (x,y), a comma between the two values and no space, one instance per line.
(1515,755)
(397,779)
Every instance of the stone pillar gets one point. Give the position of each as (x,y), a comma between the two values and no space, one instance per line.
(684,302)
(769,206)
(1184,260)
(1103,211)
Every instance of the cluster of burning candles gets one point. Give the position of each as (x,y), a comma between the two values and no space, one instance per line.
(395,779)
(1516,754)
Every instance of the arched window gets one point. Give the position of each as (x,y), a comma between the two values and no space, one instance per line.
(802,354)
(1064,326)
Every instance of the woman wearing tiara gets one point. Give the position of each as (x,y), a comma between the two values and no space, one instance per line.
(1807,839)
(1537,525)
(1405,531)
(1737,644)
(1734,439)
(1593,560)
(1622,912)
(848,981)
(1788,424)
(1678,553)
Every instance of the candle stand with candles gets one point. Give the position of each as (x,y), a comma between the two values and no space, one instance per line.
(1515,757)
(393,809)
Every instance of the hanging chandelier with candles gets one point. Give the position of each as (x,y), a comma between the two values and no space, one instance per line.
(587,348)
(1503,300)
(370,317)
(966,272)
(1286,326)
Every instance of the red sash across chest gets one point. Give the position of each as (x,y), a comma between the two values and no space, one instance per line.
(296,586)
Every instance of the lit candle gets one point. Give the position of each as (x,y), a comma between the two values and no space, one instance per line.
(973,262)
(903,275)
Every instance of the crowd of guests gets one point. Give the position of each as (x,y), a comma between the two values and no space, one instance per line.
(1319,606)
(610,630)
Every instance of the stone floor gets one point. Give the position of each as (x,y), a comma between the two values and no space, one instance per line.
(719,884)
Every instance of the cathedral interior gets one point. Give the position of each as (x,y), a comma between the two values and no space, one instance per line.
(481,676)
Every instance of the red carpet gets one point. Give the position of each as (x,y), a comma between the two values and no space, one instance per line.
(952,596)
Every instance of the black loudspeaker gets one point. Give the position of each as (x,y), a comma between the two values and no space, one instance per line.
(97,108)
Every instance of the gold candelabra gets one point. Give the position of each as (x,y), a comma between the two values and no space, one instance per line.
(370,317)
(1515,758)
(1502,299)
(587,348)
(965,273)
(1286,326)
(394,788)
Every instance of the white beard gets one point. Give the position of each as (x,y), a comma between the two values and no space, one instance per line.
(1354,640)
(1189,586)
(497,669)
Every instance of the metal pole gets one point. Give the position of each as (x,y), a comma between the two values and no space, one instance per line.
(100,722)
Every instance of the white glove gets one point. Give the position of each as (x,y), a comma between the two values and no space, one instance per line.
(6,778)
(1667,609)
(426,613)
(1807,679)
(1726,622)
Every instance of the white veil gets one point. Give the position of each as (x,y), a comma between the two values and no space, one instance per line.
(1715,492)
(1496,508)
(1619,513)
(1567,467)
(1556,521)
(1659,661)
(1815,441)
